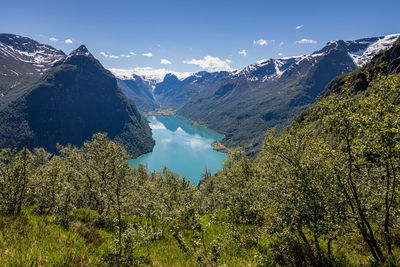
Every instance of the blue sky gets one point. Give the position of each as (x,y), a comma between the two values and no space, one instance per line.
(193,35)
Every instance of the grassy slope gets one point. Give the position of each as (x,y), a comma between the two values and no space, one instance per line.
(38,240)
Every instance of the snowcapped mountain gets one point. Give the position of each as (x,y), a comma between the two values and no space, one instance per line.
(80,51)
(147,73)
(23,59)
(370,47)
(353,54)
(34,56)
(270,92)
(240,104)
(360,51)
(140,90)
(76,98)
(267,69)
(151,88)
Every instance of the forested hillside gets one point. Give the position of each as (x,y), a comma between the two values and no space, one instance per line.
(322,193)
(269,93)
(66,103)
(139,91)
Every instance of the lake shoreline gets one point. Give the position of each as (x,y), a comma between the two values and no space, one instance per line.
(161,112)
(171,112)
(185,148)
(218,146)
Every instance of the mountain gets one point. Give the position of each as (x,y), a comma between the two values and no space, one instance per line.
(75,98)
(386,62)
(269,93)
(150,92)
(174,93)
(140,91)
(358,83)
(23,59)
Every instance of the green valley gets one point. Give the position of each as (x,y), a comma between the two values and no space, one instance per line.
(324,192)
(200,133)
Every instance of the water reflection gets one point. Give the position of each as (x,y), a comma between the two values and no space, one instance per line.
(183,147)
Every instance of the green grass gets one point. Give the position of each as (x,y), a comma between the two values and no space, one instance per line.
(39,240)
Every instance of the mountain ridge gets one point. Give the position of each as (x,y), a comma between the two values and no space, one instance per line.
(76,98)
(268,93)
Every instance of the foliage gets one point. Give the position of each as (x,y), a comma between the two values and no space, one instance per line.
(323,193)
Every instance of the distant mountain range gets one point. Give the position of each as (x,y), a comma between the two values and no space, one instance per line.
(269,93)
(23,59)
(47,97)
(357,84)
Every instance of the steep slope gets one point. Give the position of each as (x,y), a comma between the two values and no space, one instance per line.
(356,85)
(74,99)
(23,59)
(174,93)
(140,91)
(271,92)
(385,62)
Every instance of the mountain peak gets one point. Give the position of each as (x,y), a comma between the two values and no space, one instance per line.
(76,98)
(170,76)
(81,51)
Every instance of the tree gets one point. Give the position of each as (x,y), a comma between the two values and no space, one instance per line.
(15,171)
(365,150)
(298,191)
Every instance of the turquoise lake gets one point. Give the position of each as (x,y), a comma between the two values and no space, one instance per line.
(182,147)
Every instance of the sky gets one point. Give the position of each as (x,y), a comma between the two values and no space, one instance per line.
(192,35)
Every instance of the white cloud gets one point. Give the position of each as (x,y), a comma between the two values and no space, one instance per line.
(165,61)
(281,43)
(53,39)
(196,142)
(243,52)
(147,54)
(166,140)
(149,73)
(156,125)
(68,41)
(280,54)
(299,27)
(128,55)
(108,56)
(260,42)
(306,41)
(210,63)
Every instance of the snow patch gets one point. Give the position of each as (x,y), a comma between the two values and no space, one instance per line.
(279,65)
(148,73)
(363,56)
(40,56)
